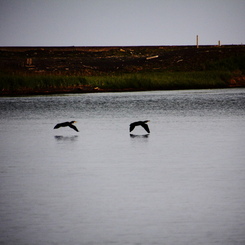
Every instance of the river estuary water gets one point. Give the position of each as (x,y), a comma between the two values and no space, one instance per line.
(182,184)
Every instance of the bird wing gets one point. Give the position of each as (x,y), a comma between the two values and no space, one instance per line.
(57,125)
(145,126)
(131,127)
(74,127)
(63,124)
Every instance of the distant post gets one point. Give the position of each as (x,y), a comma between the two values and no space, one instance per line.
(197,41)
(219,43)
(29,61)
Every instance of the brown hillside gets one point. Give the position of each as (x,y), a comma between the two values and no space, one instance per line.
(100,60)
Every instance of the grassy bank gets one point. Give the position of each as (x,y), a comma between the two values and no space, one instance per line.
(130,81)
(41,70)
(14,83)
(162,80)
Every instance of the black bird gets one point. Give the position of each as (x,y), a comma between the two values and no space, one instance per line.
(66,124)
(139,123)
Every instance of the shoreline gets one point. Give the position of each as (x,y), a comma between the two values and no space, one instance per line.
(79,90)
(57,70)
(233,82)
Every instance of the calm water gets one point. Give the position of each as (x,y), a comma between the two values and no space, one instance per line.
(183,184)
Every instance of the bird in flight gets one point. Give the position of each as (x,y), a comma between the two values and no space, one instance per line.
(66,124)
(139,123)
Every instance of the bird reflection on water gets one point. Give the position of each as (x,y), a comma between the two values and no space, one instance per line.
(139,136)
(66,138)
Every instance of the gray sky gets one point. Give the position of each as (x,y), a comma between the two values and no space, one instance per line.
(121,22)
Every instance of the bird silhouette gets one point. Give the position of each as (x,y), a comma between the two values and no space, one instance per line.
(66,124)
(139,123)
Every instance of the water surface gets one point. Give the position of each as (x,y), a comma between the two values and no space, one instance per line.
(181,184)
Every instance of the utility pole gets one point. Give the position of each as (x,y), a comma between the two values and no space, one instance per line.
(197,41)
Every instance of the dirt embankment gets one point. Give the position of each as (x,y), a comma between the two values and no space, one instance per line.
(86,61)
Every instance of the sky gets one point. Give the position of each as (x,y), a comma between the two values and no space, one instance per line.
(121,22)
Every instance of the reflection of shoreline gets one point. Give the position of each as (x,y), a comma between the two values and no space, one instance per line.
(65,138)
(139,136)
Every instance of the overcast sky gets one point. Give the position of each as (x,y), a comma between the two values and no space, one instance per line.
(121,22)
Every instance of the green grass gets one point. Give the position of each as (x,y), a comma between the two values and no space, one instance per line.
(35,82)
(130,81)
(235,63)
(161,80)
